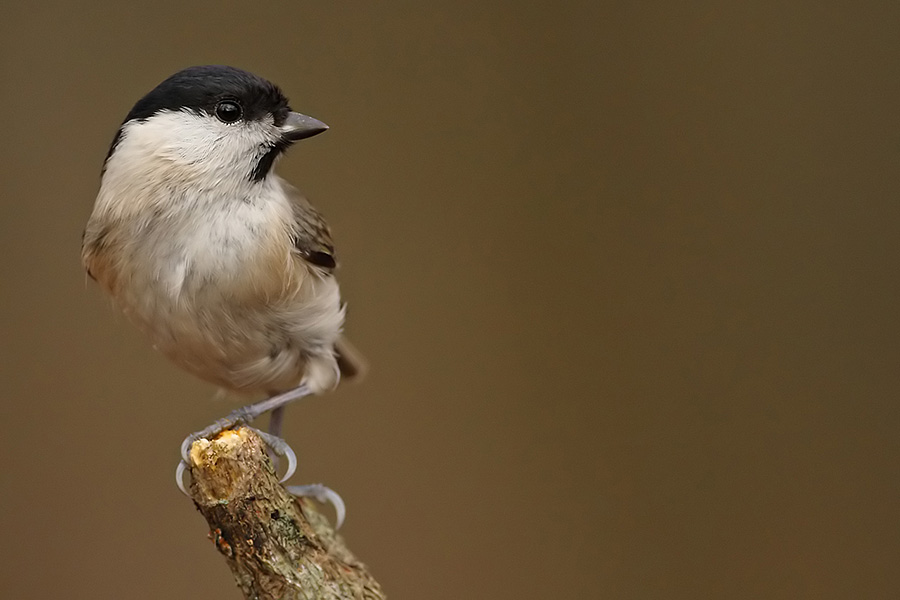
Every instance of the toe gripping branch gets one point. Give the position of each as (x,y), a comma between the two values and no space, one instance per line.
(243,416)
(276,444)
(196,444)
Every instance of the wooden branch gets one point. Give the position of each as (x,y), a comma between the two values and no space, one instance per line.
(278,547)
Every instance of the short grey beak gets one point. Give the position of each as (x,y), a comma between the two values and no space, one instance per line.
(299,127)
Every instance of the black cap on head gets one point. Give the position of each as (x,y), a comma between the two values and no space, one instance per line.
(230,94)
(201,88)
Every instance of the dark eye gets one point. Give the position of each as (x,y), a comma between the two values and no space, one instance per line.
(228,111)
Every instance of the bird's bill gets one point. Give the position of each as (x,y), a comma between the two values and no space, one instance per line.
(299,127)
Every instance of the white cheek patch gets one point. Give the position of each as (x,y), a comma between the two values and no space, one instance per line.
(197,145)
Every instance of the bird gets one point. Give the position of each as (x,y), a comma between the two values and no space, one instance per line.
(225,267)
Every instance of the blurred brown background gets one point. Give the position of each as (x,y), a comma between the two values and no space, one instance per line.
(627,275)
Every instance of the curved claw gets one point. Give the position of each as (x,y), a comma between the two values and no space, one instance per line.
(292,463)
(179,477)
(324,495)
(283,449)
(186,448)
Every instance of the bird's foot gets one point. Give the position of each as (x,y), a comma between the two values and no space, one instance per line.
(240,416)
(324,495)
(277,445)
(244,416)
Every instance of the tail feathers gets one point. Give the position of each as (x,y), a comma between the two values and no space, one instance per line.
(350,360)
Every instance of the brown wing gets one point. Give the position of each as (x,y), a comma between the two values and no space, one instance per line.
(312,238)
(312,241)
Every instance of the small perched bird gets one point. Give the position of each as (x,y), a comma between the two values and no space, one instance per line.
(224,265)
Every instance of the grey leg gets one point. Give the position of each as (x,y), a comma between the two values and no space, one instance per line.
(243,416)
(276,422)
